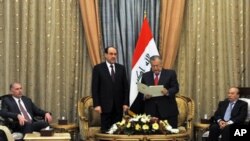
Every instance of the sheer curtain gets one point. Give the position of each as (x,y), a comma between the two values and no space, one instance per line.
(41,46)
(214,51)
(121,23)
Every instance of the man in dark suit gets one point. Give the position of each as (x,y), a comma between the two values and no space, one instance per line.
(22,110)
(230,111)
(110,89)
(163,107)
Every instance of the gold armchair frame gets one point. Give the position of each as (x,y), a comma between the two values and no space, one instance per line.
(185,122)
(7,132)
(86,131)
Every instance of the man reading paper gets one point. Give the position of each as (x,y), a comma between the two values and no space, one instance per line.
(163,107)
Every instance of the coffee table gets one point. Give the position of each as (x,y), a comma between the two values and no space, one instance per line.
(160,137)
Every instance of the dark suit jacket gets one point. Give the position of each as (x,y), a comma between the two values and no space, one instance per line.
(107,93)
(238,114)
(167,105)
(10,108)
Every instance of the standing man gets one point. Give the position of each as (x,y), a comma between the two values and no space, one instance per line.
(110,89)
(22,110)
(163,107)
(230,111)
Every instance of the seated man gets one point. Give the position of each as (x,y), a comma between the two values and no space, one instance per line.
(22,110)
(230,111)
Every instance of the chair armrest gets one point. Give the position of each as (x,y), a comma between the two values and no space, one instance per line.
(7,133)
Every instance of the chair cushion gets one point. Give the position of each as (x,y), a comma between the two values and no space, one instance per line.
(248,108)
(92,131)
(94,118)
(183,111)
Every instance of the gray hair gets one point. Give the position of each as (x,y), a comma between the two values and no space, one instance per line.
(154,57)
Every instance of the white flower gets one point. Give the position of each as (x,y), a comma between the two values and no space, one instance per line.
(169,127)
(145,119)
(174,130)
(112,129)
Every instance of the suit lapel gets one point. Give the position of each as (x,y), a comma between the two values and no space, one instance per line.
(26,105)
(224,107)
(116,70)
(235,107)
(151,78)
(15,105)
(162,76)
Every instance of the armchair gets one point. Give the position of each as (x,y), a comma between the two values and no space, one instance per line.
(90,121)
(5,124)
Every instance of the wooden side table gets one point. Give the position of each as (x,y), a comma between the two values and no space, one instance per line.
(71,128)
(199,128)
(55,137)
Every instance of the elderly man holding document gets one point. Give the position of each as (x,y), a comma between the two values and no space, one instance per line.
(163,105)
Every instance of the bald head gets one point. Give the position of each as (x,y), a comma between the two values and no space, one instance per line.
(233,93)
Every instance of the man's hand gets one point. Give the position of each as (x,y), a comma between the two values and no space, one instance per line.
(222,124)
(125,108)
(147,96)
(21,119)
(48,117)
(98,109)
(164,91)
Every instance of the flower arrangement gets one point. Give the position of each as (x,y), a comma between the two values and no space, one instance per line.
(141,124)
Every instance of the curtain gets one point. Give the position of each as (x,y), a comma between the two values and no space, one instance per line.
(170,29)
(214,51)
(121,23)
(42,47)
(90,17)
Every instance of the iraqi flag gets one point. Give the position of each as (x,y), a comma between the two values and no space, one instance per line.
(145,48)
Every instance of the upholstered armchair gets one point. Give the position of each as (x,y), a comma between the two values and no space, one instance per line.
(89,120)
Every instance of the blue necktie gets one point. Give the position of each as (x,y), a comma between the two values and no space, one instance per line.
(227,115)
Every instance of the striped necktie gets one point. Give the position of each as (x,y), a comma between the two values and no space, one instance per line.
(24,112)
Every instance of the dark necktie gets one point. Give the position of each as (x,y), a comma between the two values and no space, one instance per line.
(112,73)
(227,115)
(25,113)
(156,78)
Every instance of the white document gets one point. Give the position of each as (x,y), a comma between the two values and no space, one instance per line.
(154,91)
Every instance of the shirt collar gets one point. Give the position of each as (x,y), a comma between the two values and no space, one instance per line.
(158,74)
(16,99)
(108,64)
